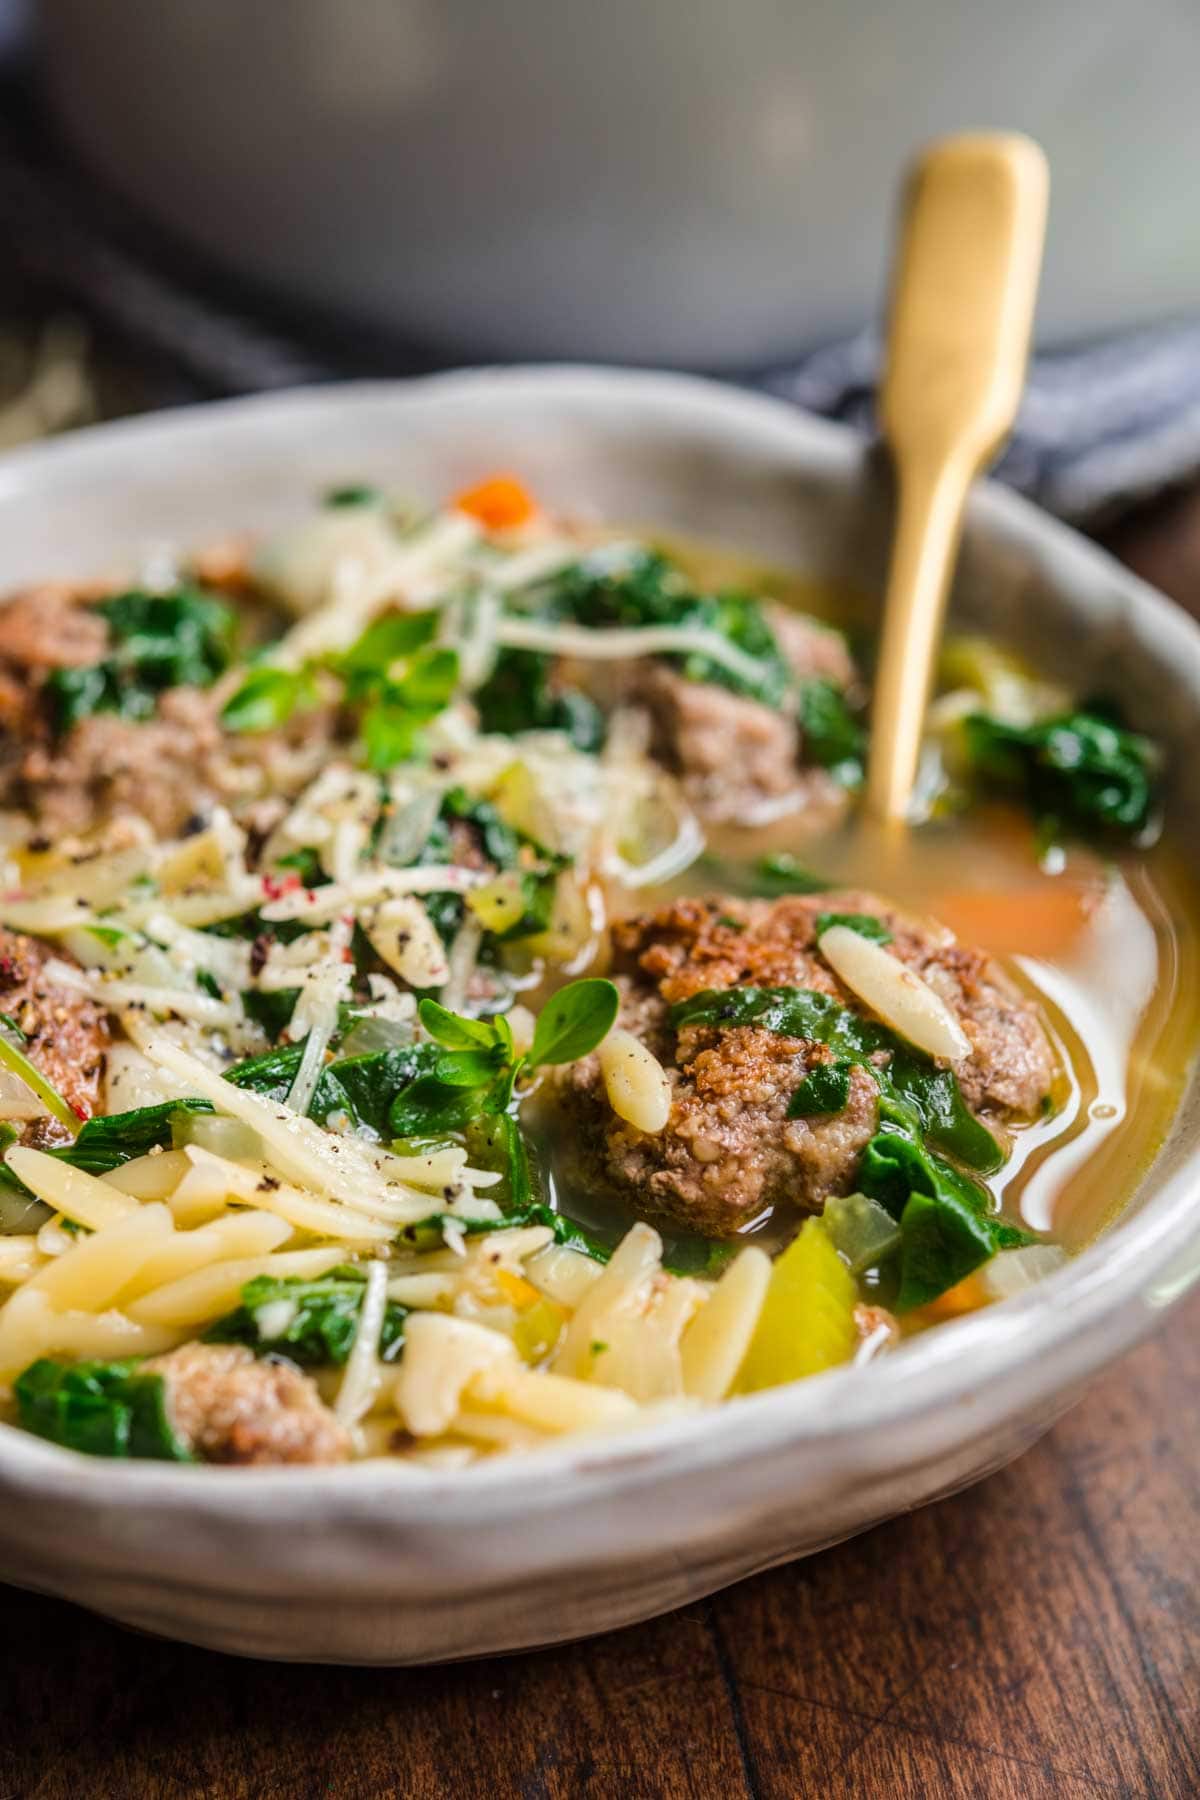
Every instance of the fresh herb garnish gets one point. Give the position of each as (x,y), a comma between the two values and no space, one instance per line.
(476,1069)
(314,1323)
(103,1409)
(1078,772)
(354,494)
(267,699)
(866,925)
(156,641)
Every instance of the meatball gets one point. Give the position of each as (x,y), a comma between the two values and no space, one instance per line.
(66,1033)
(167,768)
(230,1406)
(735,757)
(729,1150)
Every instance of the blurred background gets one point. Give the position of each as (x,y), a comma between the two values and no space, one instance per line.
(202,197)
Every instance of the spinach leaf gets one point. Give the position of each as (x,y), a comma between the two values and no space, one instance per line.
(390,638)
(1080,771)
(314,1323)
(517,696)
(832,735)
(782,873)
(629,585)
(107,1143)
(946,1227)
(364,1088)
(156,642)
(933,1094)
(574,1021)
(426,1234)
(825,1089)
(354,494)
(866,925)
(103,1409)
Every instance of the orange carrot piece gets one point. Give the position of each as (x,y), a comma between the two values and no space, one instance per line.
(500,503)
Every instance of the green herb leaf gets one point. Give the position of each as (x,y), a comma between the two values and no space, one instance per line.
(267,698)
(354,494)
(825,1089)
(1079,771)
(453,1030)
(391,638)
(102,1409)
(517,696)
(574,1021)
(314,1323)
(782,873)
(866,925)
(108,1143)
(156,641)
(832,735)
(363,1088)
(946,1227)
(629,585)
(427,1234)
(469,1068)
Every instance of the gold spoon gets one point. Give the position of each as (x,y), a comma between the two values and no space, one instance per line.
(972,226)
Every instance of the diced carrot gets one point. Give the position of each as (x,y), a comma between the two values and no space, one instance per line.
(967,1297)
(1041,920)
(516,1288)
(500,503)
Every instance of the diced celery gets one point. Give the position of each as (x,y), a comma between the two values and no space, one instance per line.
(807,1319)
(863,1231)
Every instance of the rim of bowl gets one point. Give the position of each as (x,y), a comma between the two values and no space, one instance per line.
(940,1368)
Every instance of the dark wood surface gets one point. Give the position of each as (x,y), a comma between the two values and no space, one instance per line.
(1037,1636)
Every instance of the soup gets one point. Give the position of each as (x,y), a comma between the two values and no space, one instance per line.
(449,1000)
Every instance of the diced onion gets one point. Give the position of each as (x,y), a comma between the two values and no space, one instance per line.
(1012,1271)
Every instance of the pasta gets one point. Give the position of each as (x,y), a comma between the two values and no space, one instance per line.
(420,1037)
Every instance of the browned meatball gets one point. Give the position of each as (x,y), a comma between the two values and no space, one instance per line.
(230,1406)
(729,1150)
(67,1034)
(736,758)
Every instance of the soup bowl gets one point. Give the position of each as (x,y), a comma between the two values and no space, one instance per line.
(379,1562)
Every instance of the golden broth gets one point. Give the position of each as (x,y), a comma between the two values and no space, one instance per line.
(1108,944)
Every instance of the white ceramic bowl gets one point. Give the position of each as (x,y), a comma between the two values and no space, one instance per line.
(690,181)
(380,1564)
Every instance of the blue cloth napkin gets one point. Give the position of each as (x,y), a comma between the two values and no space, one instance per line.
(1100,426)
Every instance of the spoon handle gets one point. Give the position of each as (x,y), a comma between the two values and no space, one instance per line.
(965,283)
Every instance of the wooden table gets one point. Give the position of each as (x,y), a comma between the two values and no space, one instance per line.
(1036,1636)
